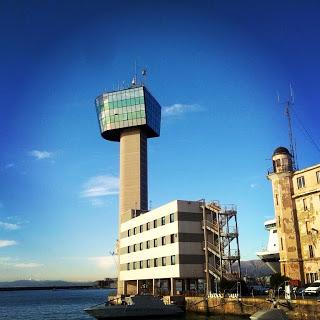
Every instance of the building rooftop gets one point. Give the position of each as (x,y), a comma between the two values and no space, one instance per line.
(281,150)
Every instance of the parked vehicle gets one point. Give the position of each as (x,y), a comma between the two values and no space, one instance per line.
(313,288)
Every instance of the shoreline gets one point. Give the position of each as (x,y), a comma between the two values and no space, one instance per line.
(51,288)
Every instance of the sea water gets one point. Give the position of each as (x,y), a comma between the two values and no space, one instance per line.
(62,305)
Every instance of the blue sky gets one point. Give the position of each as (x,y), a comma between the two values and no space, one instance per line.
(214,66)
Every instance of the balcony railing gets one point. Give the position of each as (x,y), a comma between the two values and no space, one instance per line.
(229,209)
(213,270)
(231,233)
(211,225)
(212,247)
(232,255)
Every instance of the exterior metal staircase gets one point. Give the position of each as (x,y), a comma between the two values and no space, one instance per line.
(220,237)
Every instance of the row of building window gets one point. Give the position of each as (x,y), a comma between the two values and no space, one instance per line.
(301,181)
(156,262)
(125,110)
(119,95)
(140,246)
(311,277)
(123,94)
(147,226)
(124,102)
(305,202)
(124,116)
(121,124)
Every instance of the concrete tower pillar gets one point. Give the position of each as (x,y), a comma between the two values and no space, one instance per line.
(291,264)
(133,172)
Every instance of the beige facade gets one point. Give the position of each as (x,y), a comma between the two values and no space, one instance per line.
(296,196)
(133,172)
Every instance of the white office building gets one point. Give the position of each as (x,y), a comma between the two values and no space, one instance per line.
(161,250)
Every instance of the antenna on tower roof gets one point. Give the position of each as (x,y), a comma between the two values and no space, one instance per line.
(288,105)
(144,76)
(134,81)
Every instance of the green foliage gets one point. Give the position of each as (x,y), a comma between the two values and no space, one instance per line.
(277,280)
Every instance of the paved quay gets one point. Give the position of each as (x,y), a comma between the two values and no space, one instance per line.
(302,309)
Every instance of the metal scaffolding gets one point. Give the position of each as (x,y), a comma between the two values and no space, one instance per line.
(221,242)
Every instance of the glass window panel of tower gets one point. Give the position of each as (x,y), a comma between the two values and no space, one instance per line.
(125,103)
(153,112)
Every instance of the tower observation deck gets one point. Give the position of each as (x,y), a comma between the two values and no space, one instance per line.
(130,116)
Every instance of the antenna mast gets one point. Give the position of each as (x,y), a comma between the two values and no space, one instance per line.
(144,76)
(135,72)
(134,79)
(288,104)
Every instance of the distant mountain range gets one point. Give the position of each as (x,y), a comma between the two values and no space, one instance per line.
(252,268)
(255,268)
(40,283)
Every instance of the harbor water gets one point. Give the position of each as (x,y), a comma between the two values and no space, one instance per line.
(62,305)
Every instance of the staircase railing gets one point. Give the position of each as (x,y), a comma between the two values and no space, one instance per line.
(211,225)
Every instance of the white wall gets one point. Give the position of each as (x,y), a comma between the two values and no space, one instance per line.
(158,252)
(151,273)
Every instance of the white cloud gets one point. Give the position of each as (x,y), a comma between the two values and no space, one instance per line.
(100,186)
(97,202)
(108,263)
(17,220)
(7,243)
(17,263)
(9,165)
(9,226)
(179,109)
(24,265)
(40,155)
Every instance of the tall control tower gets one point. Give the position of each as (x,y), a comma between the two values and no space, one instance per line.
(130,116)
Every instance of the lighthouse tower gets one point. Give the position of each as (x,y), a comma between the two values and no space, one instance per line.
(291,264)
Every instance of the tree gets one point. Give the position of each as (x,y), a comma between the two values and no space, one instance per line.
(276,280)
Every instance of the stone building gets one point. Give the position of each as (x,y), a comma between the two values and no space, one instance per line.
(296,195)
